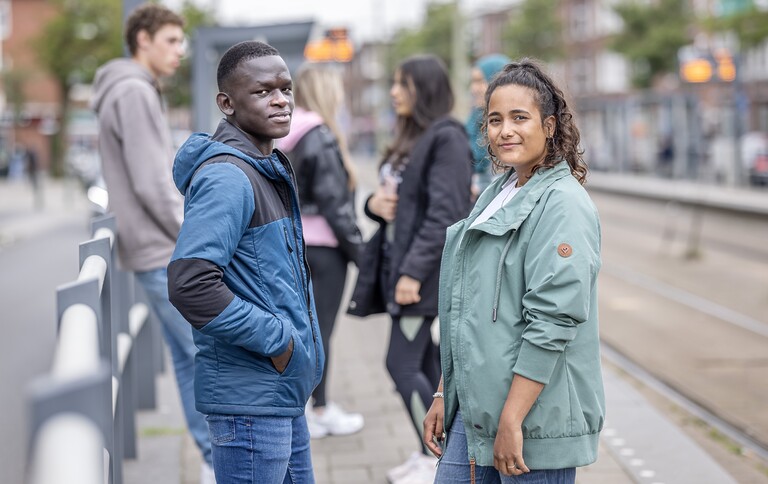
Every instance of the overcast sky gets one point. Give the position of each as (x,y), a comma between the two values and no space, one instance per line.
(367,19)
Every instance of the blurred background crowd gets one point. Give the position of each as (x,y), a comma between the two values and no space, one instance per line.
(669,88)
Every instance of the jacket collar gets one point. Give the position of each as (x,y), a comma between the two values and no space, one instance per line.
(512,215)
(231,135)
(274,165)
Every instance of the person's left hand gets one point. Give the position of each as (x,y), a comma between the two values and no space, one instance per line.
(407,290)
(508,449)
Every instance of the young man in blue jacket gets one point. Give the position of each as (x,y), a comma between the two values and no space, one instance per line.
(240,277)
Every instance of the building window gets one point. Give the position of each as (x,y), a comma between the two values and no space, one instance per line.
(580,75)
(579,21)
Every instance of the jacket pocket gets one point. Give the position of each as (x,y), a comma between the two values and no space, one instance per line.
(299,357)
(290,358)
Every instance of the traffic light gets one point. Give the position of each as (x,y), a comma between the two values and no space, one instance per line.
(696,70)
(698,66)
(335,46)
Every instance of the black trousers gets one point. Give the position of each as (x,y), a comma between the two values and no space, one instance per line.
(329,273)
(413,362)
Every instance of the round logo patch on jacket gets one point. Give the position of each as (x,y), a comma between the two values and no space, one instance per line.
(564,250)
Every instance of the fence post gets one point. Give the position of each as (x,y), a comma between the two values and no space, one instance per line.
(146,357)
(89,395)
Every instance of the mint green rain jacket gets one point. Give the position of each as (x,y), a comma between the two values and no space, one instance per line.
(518,295)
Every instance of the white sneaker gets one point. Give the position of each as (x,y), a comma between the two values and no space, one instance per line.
(405,468)
(206,474)
(422,472)
(316,431)
(338,422)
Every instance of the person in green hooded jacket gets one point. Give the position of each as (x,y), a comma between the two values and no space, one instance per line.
(482,73)
(521,397)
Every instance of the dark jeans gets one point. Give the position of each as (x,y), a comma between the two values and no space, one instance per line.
(329,273)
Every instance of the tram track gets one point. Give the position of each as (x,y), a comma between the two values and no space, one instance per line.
(748,443)
(690,329)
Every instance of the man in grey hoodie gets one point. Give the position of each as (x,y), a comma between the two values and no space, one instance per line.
(137,157)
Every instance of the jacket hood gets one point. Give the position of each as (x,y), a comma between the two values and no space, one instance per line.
(113,72)
(302,122)
(227,140)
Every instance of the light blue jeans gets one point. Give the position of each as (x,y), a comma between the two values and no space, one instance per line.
(178,336)
(251,449)
(454,466)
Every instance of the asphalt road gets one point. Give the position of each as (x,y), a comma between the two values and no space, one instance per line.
(30,270)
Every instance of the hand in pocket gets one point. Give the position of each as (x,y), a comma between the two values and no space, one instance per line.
(281,361)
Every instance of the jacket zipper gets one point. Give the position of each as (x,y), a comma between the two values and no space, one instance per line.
(290,250)
(497,291)
(294,202)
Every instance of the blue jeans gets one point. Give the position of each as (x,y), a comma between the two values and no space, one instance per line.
(178,336)
(454,466)
(251,449)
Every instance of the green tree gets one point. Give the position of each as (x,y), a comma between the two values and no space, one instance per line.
(534,31)
(652,35)
(87,33)
(749,25)
(73,44)
(433,36)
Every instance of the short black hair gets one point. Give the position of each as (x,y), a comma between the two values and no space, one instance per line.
(238,54)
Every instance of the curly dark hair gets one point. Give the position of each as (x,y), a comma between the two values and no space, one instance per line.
(564,144)
(149,17)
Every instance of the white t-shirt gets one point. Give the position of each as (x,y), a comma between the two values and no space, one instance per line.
(507,193)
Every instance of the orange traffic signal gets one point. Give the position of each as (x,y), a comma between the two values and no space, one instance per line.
(696,70)
(334,47)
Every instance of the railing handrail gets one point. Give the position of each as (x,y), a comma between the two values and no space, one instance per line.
(82,417)
(77,348)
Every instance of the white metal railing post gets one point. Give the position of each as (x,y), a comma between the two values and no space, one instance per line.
(77,386)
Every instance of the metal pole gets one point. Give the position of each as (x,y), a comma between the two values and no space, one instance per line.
(459,67)
(740,106)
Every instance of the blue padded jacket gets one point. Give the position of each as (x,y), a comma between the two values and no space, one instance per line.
(240,277)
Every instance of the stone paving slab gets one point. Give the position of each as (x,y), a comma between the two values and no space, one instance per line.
(359,383)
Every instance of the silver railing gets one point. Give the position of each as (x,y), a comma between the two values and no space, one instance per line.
(83,412)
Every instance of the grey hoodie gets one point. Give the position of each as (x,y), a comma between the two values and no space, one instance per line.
(137,158)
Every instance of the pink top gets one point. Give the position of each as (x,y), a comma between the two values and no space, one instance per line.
(317,232)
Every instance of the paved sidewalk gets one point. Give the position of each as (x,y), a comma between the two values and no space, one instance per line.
(20,218)
(359,383)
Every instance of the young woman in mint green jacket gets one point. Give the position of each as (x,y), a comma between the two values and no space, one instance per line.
(521,397)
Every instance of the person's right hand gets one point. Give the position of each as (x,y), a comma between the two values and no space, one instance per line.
(383,204)
(434,427)
(281,361)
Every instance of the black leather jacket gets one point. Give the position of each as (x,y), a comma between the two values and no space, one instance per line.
(323,187)
(435,193)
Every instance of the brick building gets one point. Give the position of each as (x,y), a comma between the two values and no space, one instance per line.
(30,111)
